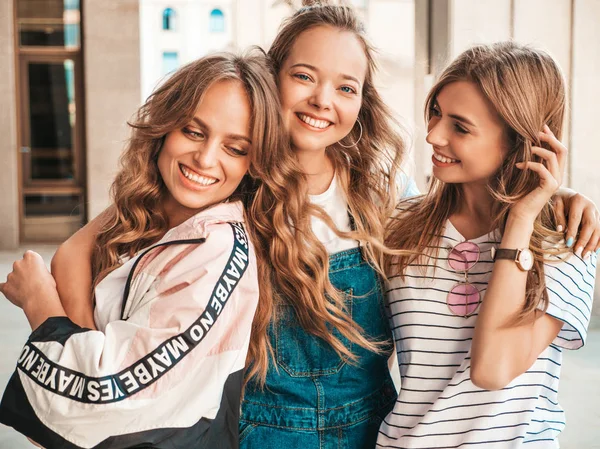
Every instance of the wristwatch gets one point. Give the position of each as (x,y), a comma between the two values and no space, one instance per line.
(522,257)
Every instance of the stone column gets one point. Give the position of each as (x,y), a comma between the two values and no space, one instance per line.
(9,181)
(111,39)
(585,95)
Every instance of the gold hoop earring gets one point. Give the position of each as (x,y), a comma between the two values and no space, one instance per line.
(359,137)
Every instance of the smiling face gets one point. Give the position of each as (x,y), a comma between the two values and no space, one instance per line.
(320,85)
(467,135)
(203,163)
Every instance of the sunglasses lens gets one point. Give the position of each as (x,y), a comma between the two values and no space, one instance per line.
(463,299)
(463,256)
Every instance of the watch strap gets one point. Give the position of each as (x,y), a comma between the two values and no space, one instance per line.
(504,253)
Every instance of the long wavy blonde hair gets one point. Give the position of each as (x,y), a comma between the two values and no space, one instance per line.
(366,172)
(273,191)
(527,89)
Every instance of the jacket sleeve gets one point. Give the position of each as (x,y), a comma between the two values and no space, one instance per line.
(169,374)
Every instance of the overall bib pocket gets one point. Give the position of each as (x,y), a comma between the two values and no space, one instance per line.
(304,355)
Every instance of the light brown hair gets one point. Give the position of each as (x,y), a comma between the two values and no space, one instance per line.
(527,89)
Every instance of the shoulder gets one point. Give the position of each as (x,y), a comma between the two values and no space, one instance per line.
(569,282)
(210,238)
(219,219)
(224,251)
(568,274)
(569,264)
(222,240)
(228,235)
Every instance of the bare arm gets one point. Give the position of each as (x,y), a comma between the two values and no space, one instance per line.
(502,349)
(71,268)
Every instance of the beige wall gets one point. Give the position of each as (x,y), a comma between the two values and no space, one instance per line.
(553,33)
(585,97)
(478,22)
(112,89)
(554,37)
(9,194)
(251,33)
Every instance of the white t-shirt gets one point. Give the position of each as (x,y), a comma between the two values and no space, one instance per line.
(438,405)
(335,202)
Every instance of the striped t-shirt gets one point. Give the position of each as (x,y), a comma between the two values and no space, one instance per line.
(438,405)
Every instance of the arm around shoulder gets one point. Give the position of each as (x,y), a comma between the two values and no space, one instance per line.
(71,267)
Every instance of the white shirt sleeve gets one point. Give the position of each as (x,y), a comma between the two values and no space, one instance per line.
(570,286)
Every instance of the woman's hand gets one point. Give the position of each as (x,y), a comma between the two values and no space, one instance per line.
(583,219)
(30,279)
(550,173)
(31,287)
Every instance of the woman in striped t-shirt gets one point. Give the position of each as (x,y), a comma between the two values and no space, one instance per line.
(482,313)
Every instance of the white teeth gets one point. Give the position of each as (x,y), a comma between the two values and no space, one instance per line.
(321,124)
(444,159)
(202,180)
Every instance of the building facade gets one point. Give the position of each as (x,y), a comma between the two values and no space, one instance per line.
(63,119)
(174,32)
(72,72)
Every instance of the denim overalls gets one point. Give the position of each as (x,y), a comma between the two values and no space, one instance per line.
(314,399)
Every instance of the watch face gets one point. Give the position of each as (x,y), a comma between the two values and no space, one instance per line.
(526,259)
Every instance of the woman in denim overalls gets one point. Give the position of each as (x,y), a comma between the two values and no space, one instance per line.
(313,398)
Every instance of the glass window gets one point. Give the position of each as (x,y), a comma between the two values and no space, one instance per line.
(48,23)
(51,88)
(43,205)
(169,19)
(217,21)
(170,61)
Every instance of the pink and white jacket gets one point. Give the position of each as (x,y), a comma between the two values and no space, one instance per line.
(165,367)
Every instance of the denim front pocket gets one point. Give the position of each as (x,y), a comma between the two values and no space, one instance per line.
(302,354)
(245,429)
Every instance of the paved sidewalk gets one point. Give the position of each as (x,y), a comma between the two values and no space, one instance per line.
(579,390)
(14,330)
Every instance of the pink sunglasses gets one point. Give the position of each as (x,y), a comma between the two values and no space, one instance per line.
(463,298)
